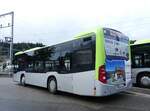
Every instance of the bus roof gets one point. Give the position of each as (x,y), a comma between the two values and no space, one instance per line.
(94,30)
(141,42)
(80,35)
(29,50)
(83,34)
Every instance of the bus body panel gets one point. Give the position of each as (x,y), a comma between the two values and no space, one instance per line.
(128,72)
(105,89)
(136,71)
(34,78)
(83,83)
(100,51)
(65,82)
(17,76)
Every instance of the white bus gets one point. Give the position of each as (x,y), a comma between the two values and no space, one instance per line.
(140,55)
(95,63)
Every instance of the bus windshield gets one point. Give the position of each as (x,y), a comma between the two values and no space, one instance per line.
(116,44)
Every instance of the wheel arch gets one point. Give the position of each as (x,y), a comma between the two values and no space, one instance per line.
(140,74)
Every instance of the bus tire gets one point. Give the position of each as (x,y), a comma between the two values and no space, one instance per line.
(143,80)
(22,81)
(52,85)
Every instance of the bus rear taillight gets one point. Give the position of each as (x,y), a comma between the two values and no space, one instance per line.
(102,74)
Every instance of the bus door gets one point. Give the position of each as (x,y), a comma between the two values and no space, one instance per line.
(65,76)
(35,74)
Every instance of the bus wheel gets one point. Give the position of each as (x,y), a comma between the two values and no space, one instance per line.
(144,80)
(23,81)
(52,85)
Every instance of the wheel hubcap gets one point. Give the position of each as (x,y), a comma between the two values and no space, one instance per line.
(145,80)
(23,80)
(52,85)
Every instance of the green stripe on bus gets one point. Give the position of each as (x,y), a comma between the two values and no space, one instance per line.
(100,52)
(141,42)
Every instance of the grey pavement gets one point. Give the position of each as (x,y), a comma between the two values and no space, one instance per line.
(14,97)
(141,90)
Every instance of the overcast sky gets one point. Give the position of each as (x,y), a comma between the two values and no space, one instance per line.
(51,21)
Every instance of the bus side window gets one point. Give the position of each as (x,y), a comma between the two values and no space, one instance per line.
(140,56)
(65,58)
(137,61)
(30,67)
(64,64)
(83,56)
(73,56)
(49,66)
(39,67)
(82,60)
(147,59)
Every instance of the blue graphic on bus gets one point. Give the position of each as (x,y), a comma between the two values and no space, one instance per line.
(115,71)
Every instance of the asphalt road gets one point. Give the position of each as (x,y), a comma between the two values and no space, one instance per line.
(14,97)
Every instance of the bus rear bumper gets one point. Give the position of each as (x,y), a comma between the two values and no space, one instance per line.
(106,90)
